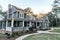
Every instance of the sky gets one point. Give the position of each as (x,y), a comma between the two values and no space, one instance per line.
(37,6)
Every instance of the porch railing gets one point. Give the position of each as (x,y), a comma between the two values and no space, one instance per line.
(15,29)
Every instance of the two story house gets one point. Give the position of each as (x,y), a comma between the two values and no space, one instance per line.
(17,20)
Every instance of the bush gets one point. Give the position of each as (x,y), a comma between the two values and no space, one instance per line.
(8,35)
(31,29)
(13,34)
(17,34)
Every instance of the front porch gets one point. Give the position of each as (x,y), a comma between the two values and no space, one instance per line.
(17,26)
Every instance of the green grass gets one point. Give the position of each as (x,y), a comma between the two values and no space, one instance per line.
(2,35)
(56,30)
(43,36)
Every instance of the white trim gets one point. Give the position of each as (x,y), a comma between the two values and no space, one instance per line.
(30,24)
(23,23)
(12,21)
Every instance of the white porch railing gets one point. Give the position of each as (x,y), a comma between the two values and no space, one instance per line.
(16,29)
(9,29)
(26,28)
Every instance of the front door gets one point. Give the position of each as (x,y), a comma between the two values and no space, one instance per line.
(34,25)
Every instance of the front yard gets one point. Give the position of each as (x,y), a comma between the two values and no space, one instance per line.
(43,36)
(56,30)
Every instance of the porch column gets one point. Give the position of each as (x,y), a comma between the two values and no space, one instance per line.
(23,26)
(23,23)
(36,24)
(6,24)
(12,21)
(30,25)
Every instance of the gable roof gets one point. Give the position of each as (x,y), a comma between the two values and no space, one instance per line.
(16,7)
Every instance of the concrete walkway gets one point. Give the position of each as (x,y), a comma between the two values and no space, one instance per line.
(38,32)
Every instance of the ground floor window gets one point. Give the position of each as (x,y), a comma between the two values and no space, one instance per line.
(37,23)
(9,23)
(26,24)
(18,23)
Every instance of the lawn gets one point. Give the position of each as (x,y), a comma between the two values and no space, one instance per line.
(56,30)
(43,36)
(4,37)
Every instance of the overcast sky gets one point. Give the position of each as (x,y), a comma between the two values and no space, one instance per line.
(36,5)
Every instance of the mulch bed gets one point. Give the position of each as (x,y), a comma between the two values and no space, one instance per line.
(16,36)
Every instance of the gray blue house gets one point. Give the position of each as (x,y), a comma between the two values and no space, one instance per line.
(18,19)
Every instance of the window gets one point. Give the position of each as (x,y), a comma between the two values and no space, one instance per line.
(17,24)
(26,24)
(10,10)
(20,24)
(9,23)
(15,14)
(10,15)
(21,15)
(24,15)
(38,24)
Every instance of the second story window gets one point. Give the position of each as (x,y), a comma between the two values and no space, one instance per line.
(10,15)
(15,14)
(10,10)
(21,15)
(24,15)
